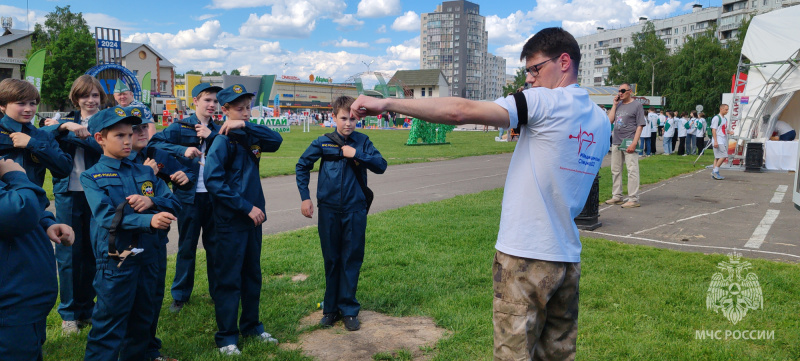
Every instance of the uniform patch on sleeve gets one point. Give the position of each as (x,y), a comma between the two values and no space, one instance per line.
(256,149)
(105,175)
(330,145)
(147,189)
(187,126)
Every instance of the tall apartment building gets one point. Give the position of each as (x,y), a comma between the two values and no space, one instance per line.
(675,31)
(454,39)
(495,78)
(733,12)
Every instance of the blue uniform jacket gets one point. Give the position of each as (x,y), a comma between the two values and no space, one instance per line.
(106,185)
(337,186)
(175,139)
(167,165)
(69,143)
(232,177)
(28,286)
(42,151)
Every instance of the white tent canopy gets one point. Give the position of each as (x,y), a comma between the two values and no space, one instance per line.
(773,37)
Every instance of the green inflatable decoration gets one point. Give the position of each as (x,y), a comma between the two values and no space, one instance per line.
(424,133)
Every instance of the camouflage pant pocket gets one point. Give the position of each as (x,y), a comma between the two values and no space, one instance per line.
(510,331)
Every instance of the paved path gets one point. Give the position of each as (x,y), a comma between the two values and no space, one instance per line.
(400,186)
(689,213)
(751,213)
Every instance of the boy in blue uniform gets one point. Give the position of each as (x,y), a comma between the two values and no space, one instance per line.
(343,204)
(169,169)
(233,180)
(129,205)
(76,264)
(28,291)
(35,150)
(189,138)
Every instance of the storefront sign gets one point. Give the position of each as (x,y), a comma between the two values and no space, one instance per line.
(289,77)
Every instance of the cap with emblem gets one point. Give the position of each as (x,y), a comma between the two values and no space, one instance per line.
(231,93)
(121,87)
(199,88)
(108,117)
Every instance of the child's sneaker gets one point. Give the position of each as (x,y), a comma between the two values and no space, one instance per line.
(716,176)
(267,338)
(351,323)
(230,350)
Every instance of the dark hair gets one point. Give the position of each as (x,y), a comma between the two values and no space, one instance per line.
(552,42)
(83,86)
(15,90)
(342,102)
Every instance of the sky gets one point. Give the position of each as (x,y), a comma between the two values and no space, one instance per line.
(327,38)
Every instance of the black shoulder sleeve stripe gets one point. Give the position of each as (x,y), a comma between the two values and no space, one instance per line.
(522,110)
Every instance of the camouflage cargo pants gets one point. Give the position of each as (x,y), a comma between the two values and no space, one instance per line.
(535,309)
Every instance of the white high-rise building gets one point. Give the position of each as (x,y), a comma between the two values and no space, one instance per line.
(454,39)
(675,31)
(495,76)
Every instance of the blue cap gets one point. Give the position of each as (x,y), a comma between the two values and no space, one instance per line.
(108,117)
(231,93)
(199,88)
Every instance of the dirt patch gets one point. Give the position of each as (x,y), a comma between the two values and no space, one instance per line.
(378,333)
(299,277)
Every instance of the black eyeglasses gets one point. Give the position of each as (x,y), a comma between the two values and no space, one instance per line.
(623,91)
(533,70)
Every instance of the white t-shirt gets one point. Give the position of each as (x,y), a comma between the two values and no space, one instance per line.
(78,163)
(720,123)
(701,127)
(681,126)
(669,128)
(692,126)
(662,119)
(782,127)
(652,122)
(558,154)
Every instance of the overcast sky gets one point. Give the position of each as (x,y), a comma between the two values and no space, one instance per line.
(328,38)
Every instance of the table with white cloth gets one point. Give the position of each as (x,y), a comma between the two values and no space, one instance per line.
(781,155)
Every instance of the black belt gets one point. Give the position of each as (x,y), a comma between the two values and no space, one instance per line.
(112,236)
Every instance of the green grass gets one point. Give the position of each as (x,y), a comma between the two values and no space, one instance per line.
(637,302)
(391,144)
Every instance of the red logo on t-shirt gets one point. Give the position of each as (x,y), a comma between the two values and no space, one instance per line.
(583,137)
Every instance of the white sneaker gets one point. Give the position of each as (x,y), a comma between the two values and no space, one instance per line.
(230,350)
(266,337)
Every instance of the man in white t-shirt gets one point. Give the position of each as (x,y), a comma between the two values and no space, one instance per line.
(563,138)
(719,137)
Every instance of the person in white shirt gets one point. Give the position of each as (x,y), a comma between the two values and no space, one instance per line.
(644,138)
(662,119)
(682,125)
(701,133)
(652,122)
(691,133)
(720,130)
(669,133)
(538,238)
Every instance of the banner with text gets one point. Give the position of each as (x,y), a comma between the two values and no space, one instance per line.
(280,125)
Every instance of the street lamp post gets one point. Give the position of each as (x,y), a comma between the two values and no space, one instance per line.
(370,63)
(653,78)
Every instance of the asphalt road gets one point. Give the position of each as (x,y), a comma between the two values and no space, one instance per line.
(399,186)
(751,213)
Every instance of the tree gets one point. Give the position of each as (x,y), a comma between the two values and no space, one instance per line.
(643,62)
(195,72)
(519,81)
(70,53)
(236,72)
(702,70)
(213,73)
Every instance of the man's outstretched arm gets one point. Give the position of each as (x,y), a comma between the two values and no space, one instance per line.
(455,111)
